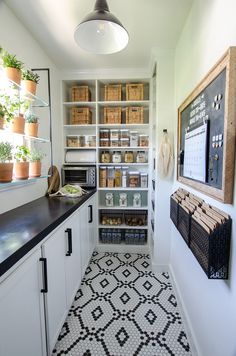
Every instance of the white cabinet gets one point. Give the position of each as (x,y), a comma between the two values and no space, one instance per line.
(87,215)
(22,327)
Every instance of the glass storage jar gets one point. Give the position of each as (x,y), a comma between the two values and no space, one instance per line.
(143,180)
(123,201)
(102,177)
(117,176)
(115,142)
(129,157)
(114,134)
(116,157)
(141,157)
(109,199)
(105,157)
(134,179)
(124,133)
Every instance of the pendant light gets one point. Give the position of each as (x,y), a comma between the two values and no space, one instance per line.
(101,32)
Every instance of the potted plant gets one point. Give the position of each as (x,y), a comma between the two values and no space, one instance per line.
(31,125)
(21,164)
(29,81)
(12,66)
(35,165)
(6,166)
(14,112)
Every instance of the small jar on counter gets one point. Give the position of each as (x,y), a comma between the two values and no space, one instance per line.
(104,142)
(129,157)
(105,157)
(143,140)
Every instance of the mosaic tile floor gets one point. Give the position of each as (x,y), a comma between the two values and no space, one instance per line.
(123,309)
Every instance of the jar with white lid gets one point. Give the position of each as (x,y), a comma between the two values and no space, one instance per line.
(116,157)
(114,134)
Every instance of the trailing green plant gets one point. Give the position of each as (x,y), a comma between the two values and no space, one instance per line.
(36,155)
(29,75)
(5,152)
(2,110)
(10,60)
(31,118)
(21,153)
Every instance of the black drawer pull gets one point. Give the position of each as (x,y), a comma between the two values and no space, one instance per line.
(45,275)
(91,214)
(69,232)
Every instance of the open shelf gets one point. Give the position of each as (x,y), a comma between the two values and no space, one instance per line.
(127,148)
(103,207)
(123,226)
(91,126)
(124,103)
(128,188)
(123,164)
(80,103)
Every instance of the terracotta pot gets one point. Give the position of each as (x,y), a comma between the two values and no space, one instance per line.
(2,123)
(31,129)
(6,171)
(29,86)
(13,74)
(35,169)
(17,125)
(21,170)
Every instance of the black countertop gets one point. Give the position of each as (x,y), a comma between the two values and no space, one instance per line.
(23,228)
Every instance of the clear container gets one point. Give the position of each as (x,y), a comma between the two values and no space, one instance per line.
(104,142)
(109,199)
(124,142)
(124,177)
(114,134)
(143,140)
(115,142)
(141,157)
(105,157)
(92,141)
(102,177)
(143,180)
(123,200)
(117,176)
(124,133)
(129,157)
(137,202)
(110,177)
(133,138)
(116,157)
(134,179)
(104,133)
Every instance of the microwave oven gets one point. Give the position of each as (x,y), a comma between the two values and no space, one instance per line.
(85,176)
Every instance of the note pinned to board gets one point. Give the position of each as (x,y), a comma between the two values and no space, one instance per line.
(195,151)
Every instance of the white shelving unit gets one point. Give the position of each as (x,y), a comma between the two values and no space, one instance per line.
(97,106)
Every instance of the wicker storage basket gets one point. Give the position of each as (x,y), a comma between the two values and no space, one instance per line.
(112,115)
(134,115)
(80,116)
(113,92)
(80,93)
(134,91)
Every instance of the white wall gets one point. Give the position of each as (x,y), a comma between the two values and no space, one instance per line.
(17,40)
(210,29)
(165,114)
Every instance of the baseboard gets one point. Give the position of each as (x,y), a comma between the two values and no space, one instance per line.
(186,320)
(159,268)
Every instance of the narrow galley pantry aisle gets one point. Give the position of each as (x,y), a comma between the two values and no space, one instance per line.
(123,309)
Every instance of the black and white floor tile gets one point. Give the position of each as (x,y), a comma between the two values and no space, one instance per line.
(123,309)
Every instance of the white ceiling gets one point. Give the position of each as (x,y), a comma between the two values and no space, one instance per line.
(150,23)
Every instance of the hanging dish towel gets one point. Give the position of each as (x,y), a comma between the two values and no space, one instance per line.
(165,157)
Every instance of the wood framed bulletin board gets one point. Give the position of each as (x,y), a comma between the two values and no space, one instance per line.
(206,132)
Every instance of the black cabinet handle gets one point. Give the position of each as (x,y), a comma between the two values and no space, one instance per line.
(91,214)
(69,232)
(45,275)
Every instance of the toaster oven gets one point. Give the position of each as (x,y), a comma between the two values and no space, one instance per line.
(85,176)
